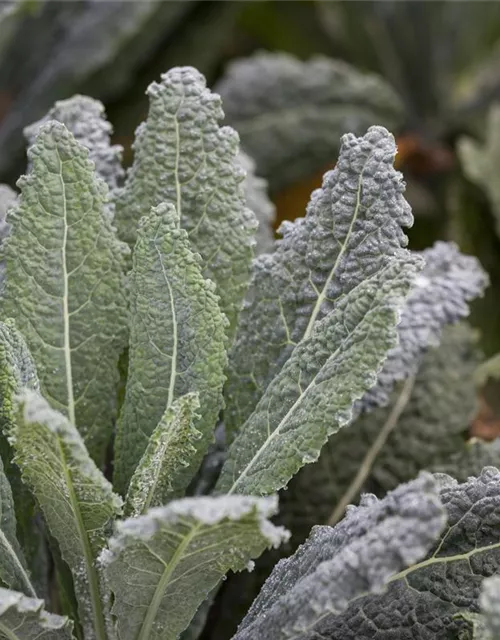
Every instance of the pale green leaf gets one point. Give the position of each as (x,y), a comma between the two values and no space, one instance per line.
(337,567)
(13,573)
(78,503)
(64,283)
(183,157)
(161,474)
(177,341)
(23,618)
(161,566)
(351,231)
(313,395)
(291,113)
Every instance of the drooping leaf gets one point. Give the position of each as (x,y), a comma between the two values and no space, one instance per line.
(258,201)
(338,566)
(64,283)
(78,503)
(481,162)
(351,231)
(423,600)
(290,114)
(312,397)
(13,573)
(85,118)
(23,618)
(161,475)
(183,157)
(161,566)
(177,326)
(428,430)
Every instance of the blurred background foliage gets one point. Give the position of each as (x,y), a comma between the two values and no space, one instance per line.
(437,67)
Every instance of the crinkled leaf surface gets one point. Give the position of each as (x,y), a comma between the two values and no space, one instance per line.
(161,474)
(440,296)
(352,230)
(161,566)
(86,119)
(338,566)
(183,157)
(428,431)
(481,162)
(78,503)
(177,340)
(313,395)
(13,571)
(23,618)
(64,283)
(423,600)
(290,114)
(258,201)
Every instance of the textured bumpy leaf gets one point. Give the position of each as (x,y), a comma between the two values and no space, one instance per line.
(428,431)
(336,567)
(448,281)
(183,157)
(161,474)
(77,501)
(481,162)
(161,566)
(351,231)
(176,325)
(423,600)
(313,395)
(13,572)
(23,618)
(86,119)
(290,114)
(258,201)
(64,283)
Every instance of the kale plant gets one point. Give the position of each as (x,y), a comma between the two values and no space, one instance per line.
(137,323)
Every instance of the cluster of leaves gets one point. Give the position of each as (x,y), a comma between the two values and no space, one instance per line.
(135,319)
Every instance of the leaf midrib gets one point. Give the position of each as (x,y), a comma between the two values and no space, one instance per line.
(93,580)
(9,634)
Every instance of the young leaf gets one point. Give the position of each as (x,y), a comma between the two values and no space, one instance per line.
(183,157)
(422,600)
(64,283)
(13,573)
(351,231)
(161,566)
(258,201)
(290,114)
(312,397)
(161,474)
(77,501)
(23,618)
(85,118)
(177,341)
(337,567)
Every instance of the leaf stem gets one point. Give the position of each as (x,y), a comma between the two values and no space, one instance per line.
(366,466)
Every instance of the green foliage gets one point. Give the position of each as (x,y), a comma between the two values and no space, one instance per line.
(339,324)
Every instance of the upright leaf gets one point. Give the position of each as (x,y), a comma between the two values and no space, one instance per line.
(423,600)
(337,567)
(13,571)
(77,501)
(183,157)
(177,326)
(85,118)
(312,397)
(290,114)
(161,566)
(161,474)
(23,618)
(65,285)
(351,231)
